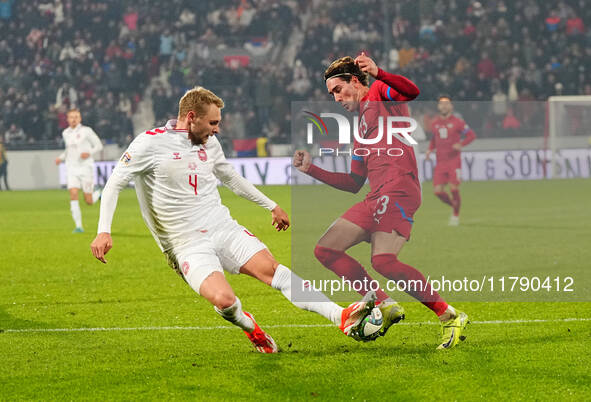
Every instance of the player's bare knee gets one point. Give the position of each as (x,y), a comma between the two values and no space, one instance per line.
(223,300)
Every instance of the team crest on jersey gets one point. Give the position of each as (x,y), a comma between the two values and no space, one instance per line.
(185,267)
(126,158)
(202,155)
(192,165)
(176,155)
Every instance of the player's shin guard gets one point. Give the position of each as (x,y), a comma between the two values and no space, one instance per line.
(414,284)
(301,294)
(346,267)
(76,213)
(443,196)
(236,316)
(457,200)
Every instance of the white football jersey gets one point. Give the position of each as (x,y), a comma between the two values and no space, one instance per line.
(176,185)
(78,140)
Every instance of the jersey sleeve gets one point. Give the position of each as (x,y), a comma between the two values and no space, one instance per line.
(396,87)
(95,143)
(468,134)
(136,160)
(224,171)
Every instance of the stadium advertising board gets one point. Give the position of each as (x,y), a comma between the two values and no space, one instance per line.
(476,166)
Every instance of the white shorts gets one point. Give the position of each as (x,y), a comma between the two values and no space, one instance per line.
(81,178)
(227,247)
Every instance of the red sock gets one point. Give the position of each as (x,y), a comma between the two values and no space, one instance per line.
(389,266)
(456,201)
(345,267)
(445,198)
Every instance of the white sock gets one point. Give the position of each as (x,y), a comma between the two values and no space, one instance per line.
(305,298)
(76,214)
(95,195)
(236,316)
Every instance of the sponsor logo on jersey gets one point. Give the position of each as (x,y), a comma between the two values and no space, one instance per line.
(202,155)
(176,155)
(126,158)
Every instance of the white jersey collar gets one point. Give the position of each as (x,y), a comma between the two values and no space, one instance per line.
(171,124)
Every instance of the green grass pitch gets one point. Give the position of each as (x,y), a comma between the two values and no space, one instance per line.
(161,343)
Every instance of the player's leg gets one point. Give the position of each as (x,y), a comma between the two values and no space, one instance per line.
(440,179)
(242,252)
(202,270)
(90,196)
(265,268)
(454,186)
(386,243)
(343,234)
(73,186)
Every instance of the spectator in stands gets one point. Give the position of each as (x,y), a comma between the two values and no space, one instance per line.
(15,135)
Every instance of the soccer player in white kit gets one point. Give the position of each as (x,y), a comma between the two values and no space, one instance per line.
(81,144)
(176,169)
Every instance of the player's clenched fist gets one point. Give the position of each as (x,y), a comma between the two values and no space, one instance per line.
(367,65)
(101,246)
(302,161)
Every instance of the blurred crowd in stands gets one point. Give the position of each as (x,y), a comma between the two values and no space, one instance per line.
(105,56)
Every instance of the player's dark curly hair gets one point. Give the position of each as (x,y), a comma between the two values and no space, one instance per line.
(345,68)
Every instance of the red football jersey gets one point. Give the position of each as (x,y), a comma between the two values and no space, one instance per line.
(374,160)
(446,133)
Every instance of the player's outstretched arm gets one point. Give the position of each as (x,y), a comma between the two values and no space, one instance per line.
(224,171)
(351,182)
(399,88)
(103,241)
(136,160)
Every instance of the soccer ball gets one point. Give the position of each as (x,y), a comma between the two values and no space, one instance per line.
(369,328)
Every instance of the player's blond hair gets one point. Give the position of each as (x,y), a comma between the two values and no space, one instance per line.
(197,100)
(74,110)
(345,68)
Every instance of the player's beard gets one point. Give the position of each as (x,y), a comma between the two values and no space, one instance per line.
(196,139)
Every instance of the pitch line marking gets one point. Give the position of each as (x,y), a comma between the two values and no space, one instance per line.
(176,328)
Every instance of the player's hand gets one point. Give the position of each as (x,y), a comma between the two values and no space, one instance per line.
(101,246)
(84,155)
(457,147)
(302,161)
(367,65)
(428,154)
(58,161)
(280,219)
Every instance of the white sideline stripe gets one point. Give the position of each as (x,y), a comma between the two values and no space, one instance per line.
(99,329)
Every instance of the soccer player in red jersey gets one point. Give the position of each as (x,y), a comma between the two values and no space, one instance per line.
(447,142)
(385,217)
